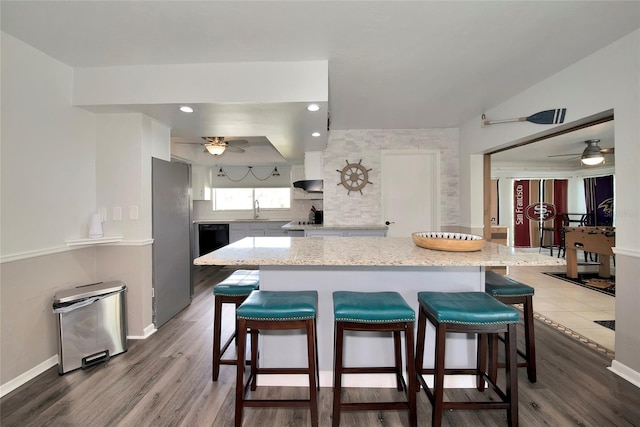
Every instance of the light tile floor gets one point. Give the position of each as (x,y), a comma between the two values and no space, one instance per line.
(570,305)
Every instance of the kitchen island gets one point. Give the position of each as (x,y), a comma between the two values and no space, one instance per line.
(366,264)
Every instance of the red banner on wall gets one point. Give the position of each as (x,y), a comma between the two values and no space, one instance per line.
(536,205)
(521,237)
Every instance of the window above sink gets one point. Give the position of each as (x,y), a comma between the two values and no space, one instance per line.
(224,199)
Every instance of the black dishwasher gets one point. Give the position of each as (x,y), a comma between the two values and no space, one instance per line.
(212,237)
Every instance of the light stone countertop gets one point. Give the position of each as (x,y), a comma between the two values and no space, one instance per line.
(363,251)
(295,226)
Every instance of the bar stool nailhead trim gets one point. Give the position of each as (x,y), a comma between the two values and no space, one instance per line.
(277,310)
(374,312)
(232,290)
(509,291)
(451,312)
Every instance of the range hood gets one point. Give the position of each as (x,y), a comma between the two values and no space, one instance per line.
(313,164)
(310,185)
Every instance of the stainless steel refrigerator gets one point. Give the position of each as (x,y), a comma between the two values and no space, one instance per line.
(171,211)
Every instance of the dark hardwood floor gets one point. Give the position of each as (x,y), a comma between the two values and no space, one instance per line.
(165,380)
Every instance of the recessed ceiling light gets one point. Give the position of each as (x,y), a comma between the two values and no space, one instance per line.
(316,134)
(313,107)
(186,109)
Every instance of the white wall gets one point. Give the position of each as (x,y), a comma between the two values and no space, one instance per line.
(48,152)
(48,194)
(607,79)
(51,183)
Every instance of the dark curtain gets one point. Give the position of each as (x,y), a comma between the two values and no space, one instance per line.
(599,200)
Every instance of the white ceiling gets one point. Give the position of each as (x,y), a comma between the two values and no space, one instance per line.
(392,64)
(566,150)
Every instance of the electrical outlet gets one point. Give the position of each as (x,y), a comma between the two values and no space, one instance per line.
(117,213)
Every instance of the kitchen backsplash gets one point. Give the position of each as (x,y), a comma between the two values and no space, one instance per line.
(366,144)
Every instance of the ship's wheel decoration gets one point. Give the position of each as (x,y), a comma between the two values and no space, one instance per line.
(354,177)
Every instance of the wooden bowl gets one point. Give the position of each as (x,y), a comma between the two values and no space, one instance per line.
(452,242)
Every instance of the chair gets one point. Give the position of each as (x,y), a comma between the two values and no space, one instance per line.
(509,291)
(374,312)
(467,313)
(232,290)
(277,310)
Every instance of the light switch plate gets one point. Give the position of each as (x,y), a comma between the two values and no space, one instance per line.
(117,213)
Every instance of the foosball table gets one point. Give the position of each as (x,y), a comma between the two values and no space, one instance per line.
(599,240)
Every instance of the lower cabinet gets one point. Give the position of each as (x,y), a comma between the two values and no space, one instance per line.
(345,233)
(240,230)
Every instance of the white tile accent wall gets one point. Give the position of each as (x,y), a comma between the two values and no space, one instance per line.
(366,144)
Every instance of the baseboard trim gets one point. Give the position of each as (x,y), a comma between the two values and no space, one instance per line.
(146,333)
(21,379)
(625,372)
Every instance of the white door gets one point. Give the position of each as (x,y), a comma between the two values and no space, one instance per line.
(410,191)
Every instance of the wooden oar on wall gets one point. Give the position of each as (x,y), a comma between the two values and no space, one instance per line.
(548,117)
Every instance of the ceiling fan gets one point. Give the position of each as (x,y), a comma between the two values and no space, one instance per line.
(216,145)
(592,154)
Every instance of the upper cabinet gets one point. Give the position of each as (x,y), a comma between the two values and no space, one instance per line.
(313,165)
(200,182)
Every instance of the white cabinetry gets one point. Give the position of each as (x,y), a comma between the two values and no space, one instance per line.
(365,233)
(240,230)
(314,165)
(345,233)
(200,182)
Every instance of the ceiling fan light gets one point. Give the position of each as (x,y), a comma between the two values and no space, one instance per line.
(592,159)
(592,155)
(215,149)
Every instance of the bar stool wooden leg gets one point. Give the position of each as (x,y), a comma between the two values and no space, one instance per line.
(241,341)
(337,371)
(375,312)
(422,325)
(217,342)
(481,360)
(276,311)
(312,357)
(438,381)
(512,375)
(530,340)
(411,374)
(468,313)
(398,356)
(254,359)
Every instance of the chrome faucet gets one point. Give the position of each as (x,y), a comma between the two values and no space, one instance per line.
(256,209)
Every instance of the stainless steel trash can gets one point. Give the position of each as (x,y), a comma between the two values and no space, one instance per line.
(92,324)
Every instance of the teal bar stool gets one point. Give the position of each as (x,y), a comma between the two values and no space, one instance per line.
(232,290)
(374,312)
(467,313)
(277,310)
(509,291)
